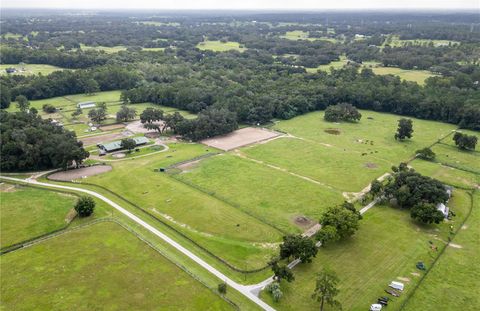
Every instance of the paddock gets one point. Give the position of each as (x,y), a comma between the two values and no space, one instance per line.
(240,138)
(80,173)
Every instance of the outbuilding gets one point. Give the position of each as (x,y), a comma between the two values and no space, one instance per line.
(397,285)
(443,208)
(88,104)
(117,145)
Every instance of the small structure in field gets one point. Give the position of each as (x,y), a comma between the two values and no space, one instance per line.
(396,285)
(88,104)
(117,145)
(10,70)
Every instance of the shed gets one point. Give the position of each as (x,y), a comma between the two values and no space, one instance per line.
(88,104)
(396,285)
(443,208)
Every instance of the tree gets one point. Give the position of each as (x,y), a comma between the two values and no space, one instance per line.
(376,188)
(128,143)
(338,222)
(85,206)
(91,86)
(77,112)
(47,108)
(425,154)
(125,114)
(150,118)
(274,289)
(222,288)
(426,213)
(5,96)
(31,143)
(22,103)
(281,271)
(298,247)
(99,114)
(342,112)
(172,121)
(326,289)
(464,141)
(405,129)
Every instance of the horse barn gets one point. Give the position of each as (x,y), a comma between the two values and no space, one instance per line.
(88,104)
(117,145)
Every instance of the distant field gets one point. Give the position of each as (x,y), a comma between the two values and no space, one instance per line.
(350,160)
(418,76)
(304,35)
(152,23)
(10,35)
(100,265)
(26,213)
(30,69)
(395,41)
(218,46)
(261,191)
(106,49)
(454,278)
(446,174)
(386,247)
(207,220)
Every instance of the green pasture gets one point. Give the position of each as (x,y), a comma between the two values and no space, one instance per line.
(219,46)
(394,41)
(26,213)
(453,280)
(453,156)
(446,174)
(100,265)
(418,76)
(272,196)
(350,160)
(210,222)
(30,69)
(106,49)
(386,248)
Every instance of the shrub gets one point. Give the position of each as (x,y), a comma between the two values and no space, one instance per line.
(85,206)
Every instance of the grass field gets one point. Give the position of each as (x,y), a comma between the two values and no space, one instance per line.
(418,76)
(446,174)
(348,161)
(387,246)
(304,35)
(453,281)
(30,69)
(218,46)
(261,191)
(226,231)
(26,213)
(395,41)
(106,49)
(100,265)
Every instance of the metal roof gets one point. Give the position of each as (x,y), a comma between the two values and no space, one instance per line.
(117,145)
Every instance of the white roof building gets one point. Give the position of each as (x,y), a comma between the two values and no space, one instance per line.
(86,105)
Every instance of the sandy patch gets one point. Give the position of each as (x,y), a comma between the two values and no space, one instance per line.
(239,138)
(137,127)
(111,127)
(464,227)
(401,278)
(94,140)
(370,165)
(333,131)
(7,188)
(455,245)
(80,173)
(186,166)
(119,155)
(415,274)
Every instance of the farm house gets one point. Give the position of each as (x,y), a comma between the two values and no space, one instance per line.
(88,104)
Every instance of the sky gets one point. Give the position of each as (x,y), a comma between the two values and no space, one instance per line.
(245,4)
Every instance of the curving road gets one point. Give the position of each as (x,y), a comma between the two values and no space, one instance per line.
(245,290)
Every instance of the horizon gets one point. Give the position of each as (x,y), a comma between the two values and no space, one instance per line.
(249,5)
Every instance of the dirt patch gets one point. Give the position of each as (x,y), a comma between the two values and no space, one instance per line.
(137,127)
(401,278)
(189,165)
(303,221)
(455,245)
(7,188)
(239,138)
(97,139)
(119,155)
(333,131)
(370,165)
(80,173)
(415,274)
(111,127)
(70,216)
(464,227)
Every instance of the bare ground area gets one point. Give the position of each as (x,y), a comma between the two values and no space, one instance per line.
(112,127)
(137,127)
(93,140)
(80,173)
(239,138)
